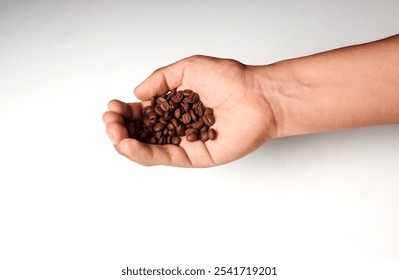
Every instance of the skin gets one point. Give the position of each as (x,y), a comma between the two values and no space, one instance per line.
(344,88)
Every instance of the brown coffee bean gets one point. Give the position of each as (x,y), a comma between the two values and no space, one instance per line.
(161,140)
(175,122)
(208,119)
(171,126)
(158,110)
(173,106)
(198,124)
(147,110)
(146,122)
(208,111)
(165,131)
(177,113)
(191,130)
(153,140)
(193,115)
(168,140)
(163,120)
(167,114)
(160,100)
(164,105)
(204,128)
(180,130)
(152,115)
(158,134)
(204,136)
(192,137)
(212,134)
(187,92)
(176,141)
(143,136)
(177,97)
(159,127)
(195,98)
(185,106)
(186,118)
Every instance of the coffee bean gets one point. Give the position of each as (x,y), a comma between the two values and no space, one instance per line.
(161,100)
(175,122)
(186,118)
(212,134)
(193,115)
(204,128)
(177,97)
(176,141)
(192,137)
(177,113)
(153,140)
(198,124)
(153,101)
(208,119)
(180,130)
(191,130)
(187,92)
(147,110)
(158,134)
(158,110)
(208,111)
(152,115)
(159,127)
(204,136)
(164,105)
(171,126)
(163,120)
(161,140)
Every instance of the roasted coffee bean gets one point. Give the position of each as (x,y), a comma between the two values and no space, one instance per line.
(158,110)
(173,106)
(164,105)
(167,114)
(168,140)
(175,122)
(208,119)
(146,122)
(153,140)
(198,124)
(165,131)
(212,134)
(177,113)
(187,92)
(147,110)
(204,136)
(176,141)
(159,127)
(185,106)
(177,97)
(163,120)
(171,126)
(208,111)
(204,128)
(161,140)
(180,130)
(143,136)
(193,115)
(171,132)
(161,100)
(195,98)
(191,130)
(152,115)
(186,118)
(199,109)
(192,137)
(158,134)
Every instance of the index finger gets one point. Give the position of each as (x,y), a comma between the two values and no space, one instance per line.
(162,80)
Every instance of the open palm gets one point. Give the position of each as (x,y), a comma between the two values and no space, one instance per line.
(244,119)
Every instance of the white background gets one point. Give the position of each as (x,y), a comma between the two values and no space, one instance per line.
(72,208)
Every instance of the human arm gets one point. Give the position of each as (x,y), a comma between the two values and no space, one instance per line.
(344,88)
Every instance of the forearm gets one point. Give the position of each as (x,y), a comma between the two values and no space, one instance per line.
(344,88)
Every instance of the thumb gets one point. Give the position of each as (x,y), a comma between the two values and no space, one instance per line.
(162,80)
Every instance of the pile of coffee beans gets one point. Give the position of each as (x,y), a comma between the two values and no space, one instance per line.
(171,116)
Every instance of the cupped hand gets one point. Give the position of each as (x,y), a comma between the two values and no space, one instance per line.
(243,117)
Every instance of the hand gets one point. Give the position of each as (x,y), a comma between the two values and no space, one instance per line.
(244,119)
